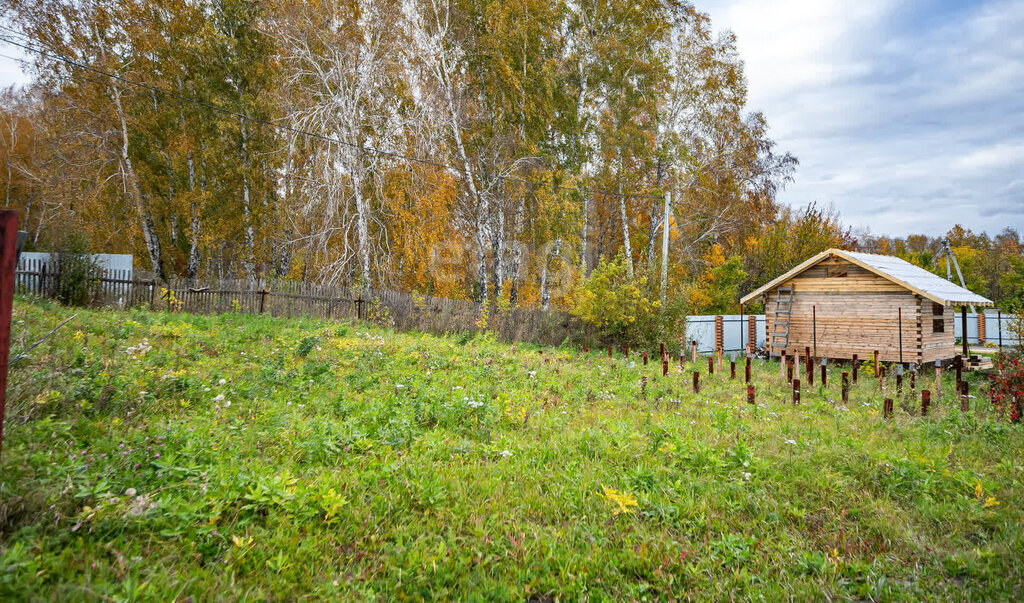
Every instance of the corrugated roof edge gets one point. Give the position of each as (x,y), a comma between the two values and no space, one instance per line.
(967,297)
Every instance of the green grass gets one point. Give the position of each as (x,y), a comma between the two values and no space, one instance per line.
(358,463)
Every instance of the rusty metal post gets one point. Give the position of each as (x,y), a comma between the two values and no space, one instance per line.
(750,395)
(661,350)
(627,351)
(854,364)
(887,408)
(789,371)
(8,261)
(981,326)
(913,377)
(846,387)
(711,365)
(693,351)
(926,401)
(696,381)
(965,401)
(664,368)
(746,373)
(876,364)
(809,369)
(732,367)
(824,373)
(938,380)
(645,358)
(783,364)
(796,392)
(609,351)
(899,379)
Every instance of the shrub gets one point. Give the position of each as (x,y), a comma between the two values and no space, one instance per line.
(76,273)
(624,308)
(1008,385)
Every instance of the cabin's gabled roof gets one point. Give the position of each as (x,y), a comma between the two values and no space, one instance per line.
(914,278)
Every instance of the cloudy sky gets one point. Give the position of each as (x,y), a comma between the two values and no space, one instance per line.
(907,116)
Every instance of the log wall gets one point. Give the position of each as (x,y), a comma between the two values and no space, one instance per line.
(859,312)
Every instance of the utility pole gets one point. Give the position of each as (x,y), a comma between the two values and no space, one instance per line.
(664,249)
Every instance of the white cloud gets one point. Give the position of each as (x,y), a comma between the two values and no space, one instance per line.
(909,117)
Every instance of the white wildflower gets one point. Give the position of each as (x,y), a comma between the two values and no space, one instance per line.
(222,382)
(506,453)
(793,442)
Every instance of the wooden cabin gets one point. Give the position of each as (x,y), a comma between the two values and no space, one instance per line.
(840,303)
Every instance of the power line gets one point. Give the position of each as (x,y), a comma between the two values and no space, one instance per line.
(293,130)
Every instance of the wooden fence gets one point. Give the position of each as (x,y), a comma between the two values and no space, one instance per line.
(403,311)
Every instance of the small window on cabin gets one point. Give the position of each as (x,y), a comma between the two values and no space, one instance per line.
(837,270)
(938,309)
(938,325)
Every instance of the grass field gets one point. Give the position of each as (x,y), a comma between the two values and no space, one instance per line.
(155,456)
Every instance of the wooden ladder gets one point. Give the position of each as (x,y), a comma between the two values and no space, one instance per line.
(780,324)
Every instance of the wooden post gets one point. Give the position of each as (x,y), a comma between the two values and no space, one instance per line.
(814,329)
(796,392)
(661,349)
(958,363)
(711,365)
(609,351)
(854,364)
(664,368)
(645,357)
(8,261)
(719,335)
(696,381)
(750,395)
(746,373)
(810,366)
(899,329)
(796,365)
(846,387)
(732,367)
(627,351)
(899,379)
(876,364)
(965,401)
(789,371)
(887,408)
(783,364)
(963,329)
(913,377)
(926,401)
(263,299)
